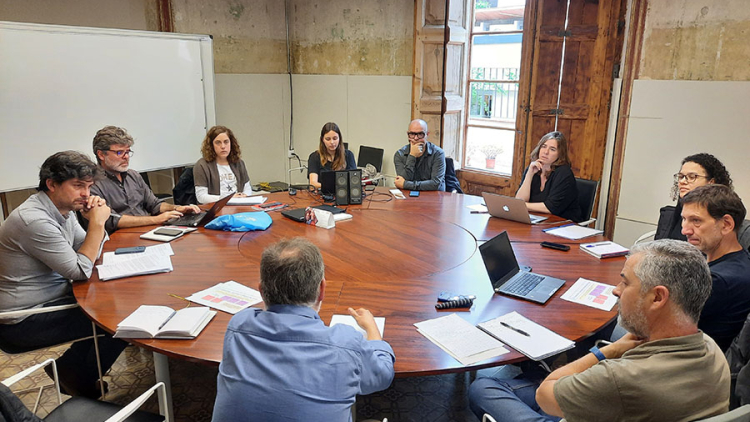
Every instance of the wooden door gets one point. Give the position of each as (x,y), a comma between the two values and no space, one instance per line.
(440,58)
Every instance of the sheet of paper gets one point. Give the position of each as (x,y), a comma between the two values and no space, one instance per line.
(573,231)
(163,249)
(230,297)
(465,342)
(526,336)
(149,264)
(350,321)
(478,208)
(248,200)
(591,293)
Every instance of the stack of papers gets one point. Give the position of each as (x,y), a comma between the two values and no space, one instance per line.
(248,200)
(591,293)
(526,336)
(460,339)
(164,250)
(350,321)
(604,249)
(163,322)
(134,264)
(230,297)
(572,231)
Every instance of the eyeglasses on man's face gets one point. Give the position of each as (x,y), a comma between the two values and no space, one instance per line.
(122,153)
(416,135)
(690,177)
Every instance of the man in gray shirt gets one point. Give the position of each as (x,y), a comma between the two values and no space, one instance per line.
(132,201)
(43,248)
(420,165)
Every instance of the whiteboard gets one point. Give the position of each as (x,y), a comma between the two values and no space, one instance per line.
(60,84)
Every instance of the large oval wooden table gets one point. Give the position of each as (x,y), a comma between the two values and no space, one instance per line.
(392,258)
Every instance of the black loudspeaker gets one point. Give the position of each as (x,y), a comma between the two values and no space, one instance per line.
(342,187)
(355,186)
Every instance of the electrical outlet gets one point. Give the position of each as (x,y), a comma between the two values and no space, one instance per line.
(291,153)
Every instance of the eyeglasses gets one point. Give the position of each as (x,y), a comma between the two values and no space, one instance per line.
(690,177)
(416,135)
(120,154)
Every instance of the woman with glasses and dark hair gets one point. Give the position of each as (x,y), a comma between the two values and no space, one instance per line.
(221,171)
(548,184)
(330,156)
(697,170)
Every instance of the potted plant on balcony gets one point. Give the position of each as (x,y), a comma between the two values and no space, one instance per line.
(490,152)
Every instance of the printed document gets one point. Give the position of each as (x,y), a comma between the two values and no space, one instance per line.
(230,297)
(465,342)
(163,249)
(591,293)
(149,264)
(350,321)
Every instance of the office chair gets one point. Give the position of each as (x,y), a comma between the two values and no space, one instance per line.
(144,175)
(184,191)
(35,311)
(452,183)
(77,409)
(741,414)
(488,418)
(744,235)
(586,196)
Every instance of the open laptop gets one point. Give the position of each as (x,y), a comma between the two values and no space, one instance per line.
(508,208)
(509,279)
(298,214)
(203,217)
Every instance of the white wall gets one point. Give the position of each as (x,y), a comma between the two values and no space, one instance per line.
(670,120)
(370,110)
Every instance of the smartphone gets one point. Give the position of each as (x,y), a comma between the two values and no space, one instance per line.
(134,249)
(168,232)
(414,193)
(558,246)
(269,204)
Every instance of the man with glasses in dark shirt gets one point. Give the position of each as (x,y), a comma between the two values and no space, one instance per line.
(420,165)
(132,201)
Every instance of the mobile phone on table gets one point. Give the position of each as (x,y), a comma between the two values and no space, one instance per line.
(134,249)
(558,246)
(269,204)
(414,193)
(168,232)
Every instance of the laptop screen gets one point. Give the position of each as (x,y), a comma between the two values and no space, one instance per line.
(499,258)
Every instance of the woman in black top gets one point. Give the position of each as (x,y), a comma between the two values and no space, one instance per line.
(548,185)
(697,170)
(330,155)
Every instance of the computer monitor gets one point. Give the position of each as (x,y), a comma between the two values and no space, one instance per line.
(370,155)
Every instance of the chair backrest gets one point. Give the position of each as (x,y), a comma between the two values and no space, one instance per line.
(451,181)
(741,414)
(184,190)
(586,196)
(370,155)
(744,235)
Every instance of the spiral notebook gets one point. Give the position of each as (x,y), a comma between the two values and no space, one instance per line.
(526,336)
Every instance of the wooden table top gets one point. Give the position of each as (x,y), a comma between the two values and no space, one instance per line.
(392,258)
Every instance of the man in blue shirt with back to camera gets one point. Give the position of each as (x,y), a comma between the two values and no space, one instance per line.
(283,363)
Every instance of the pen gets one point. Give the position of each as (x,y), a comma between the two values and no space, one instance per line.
(514,329)
(479,212)
(175,313)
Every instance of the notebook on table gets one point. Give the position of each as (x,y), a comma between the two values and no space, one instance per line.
(203,217)
(508,208)
(508,278)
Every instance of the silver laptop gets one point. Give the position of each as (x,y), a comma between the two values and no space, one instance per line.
(507,278)
(508,208)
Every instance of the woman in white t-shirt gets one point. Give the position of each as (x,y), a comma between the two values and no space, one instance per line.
(220,172)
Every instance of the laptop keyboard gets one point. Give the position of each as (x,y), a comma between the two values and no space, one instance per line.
(522,285)
(187,220)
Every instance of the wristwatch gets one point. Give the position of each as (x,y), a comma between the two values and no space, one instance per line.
(598,353)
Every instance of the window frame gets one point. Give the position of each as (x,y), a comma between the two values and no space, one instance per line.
(502,183)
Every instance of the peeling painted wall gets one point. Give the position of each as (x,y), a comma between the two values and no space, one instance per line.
(354,37)
(698,40)
(249,35)
(121,14)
